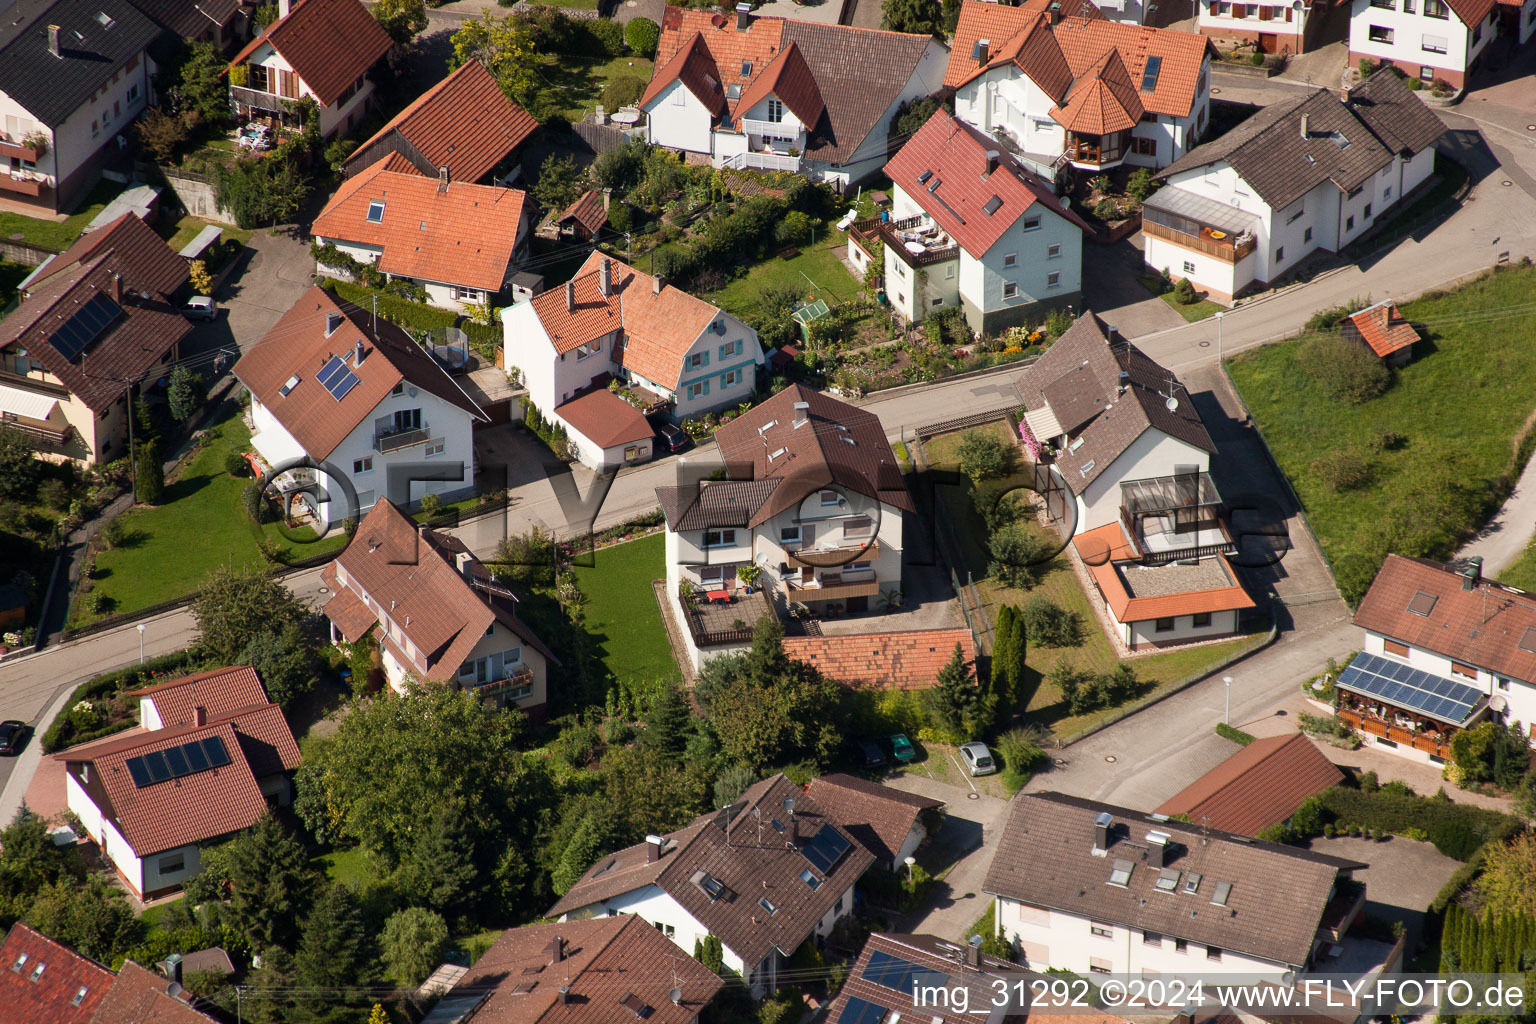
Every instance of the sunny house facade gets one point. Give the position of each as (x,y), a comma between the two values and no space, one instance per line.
(1429,39)
(1275,27)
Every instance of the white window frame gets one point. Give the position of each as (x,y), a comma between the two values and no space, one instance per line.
(1032,223)
(435,446)
(1010,259)
(1053,251)
(1053,279)
(1010,289)
(362,465)
(725,538)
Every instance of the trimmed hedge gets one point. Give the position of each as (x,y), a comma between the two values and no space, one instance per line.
(416,316)
(1237,736)
(61,733)
(1457,830)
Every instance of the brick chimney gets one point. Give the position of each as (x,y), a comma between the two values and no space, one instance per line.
(53,40)
(117,288)
(199,715)
(442,178)
(605,278)
(658,282)
(570,296)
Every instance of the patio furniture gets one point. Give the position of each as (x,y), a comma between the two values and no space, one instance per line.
(719,596)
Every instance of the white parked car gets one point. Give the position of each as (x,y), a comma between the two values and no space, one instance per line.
(978,759)
(200,307)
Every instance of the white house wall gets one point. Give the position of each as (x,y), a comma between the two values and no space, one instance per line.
(655,906)
(331,118)
(1144,632)
(143,875)
(1153,454)
(1409,26)
(677,120)
(1520,694)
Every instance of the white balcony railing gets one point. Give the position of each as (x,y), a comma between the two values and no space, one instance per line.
(772,129)
(763,162)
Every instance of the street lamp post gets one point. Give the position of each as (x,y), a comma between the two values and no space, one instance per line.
(909,862)
(1219,317)
(141,643)
(1228,716)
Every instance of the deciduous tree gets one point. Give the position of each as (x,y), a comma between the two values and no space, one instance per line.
(235,606)
(413,941)
(916,16)
(402,19)
(505,46)
(91,917)
(19,468)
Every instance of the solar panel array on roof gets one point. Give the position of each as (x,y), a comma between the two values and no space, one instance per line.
(1149,75)
(1407,687)
(862,1011)
(825,849)
(892,971)
(80,331)
(187,759)
(338,377)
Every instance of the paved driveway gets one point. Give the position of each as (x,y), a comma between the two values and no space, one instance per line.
(1403,877)
(1111,289)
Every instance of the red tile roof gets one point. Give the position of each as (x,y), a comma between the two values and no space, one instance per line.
(140,996)
(140,255)
(220,692)
(587,211)
(347,612)
(959,189)
(607,962)
(789,78)
(907,660)
(1491,626)
(465,122)
(51,997)
(1383,328)
(462,234)
(1101,101)
(1083,41)
(694,66)
(329,43)
(1471,12)
(1127,608)
(879,817)
(658,328)
(1259,786)
(297,345)
(605,419)
(999,24)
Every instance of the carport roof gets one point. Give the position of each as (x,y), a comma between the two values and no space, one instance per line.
(1206,211)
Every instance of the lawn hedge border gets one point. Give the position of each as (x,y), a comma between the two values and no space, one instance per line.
(61,732)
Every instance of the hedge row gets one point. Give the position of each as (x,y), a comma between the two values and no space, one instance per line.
(415,316)
(61,733)
(1237,736)
(1457,830)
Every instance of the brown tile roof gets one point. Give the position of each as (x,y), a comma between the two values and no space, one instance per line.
(587,211)
(1383,328)
(936,957)
(347,612)
(999,25)
(658,329)
(906,660)
(220,692)
(297,345)
(140,255)
(606,962)
(463,234)
(605,419)
(139,333)
(1398,117)
(139,996)
(714,503)
(188,19)
(1138,593)
(465,122)
(754,866)
(1491,626)
(840,445)
(857,73)
(51,997)
(1269,152)
(1078,378)
(1471,12)
(877,816)
(1259,786)
(1277,893)
(330,43)
(165,815)
(789,78)
(1102,100)
(959,190)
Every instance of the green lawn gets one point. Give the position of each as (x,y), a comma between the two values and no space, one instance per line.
(828,277)
(186,229)
(351,867)
(1522,572)
(1197,310)
(58,234)
(1440,447)
(575,83)
(11,275)
(622,615)
(201,523)
(1060,585)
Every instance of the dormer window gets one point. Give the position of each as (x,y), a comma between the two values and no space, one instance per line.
(746,69)
(376,211)
(79,996)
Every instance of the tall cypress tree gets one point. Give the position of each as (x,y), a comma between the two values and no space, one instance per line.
(669,723)
(333,954)
(1005,645)
(268,870)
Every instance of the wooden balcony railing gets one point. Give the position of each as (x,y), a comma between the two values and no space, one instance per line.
(867,232)
(833,587)
(46,438)
(16,149)
(1224,249)
(24,183)
(831,558)
(1396,733)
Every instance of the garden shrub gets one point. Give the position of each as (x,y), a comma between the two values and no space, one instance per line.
(1341,469)
(1184,292)
(1019,555)
(1345,371)
(235,464)
(1047,624)
(1457,830)
(642,35)
(1226,732)
(985,456)
(1257,60)
(623,91)
(62,731)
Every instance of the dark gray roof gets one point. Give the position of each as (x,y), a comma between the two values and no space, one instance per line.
(714,504)
(188,19)
(1276,898)
(1079,379)
(91,51)
(1281,164)
(1398,117)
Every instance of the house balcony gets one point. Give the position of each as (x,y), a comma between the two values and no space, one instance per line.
(917,241)
(26,183)
(1347,904)
(763,162)
(832,586)
(395,440)
(725,612)
(1097,151)
(48,439)
(1435,742)
(513,684)
(773,130)
(1200,224)
(1175,517)
(833,557)
(11,148)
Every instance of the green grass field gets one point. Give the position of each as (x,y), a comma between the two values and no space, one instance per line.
(575,83)
(1440,446)
(1060,585)
(186,229)
(58,234)
(622,615)
(816,269)
(1193,312)
(1522,572)
(201,523)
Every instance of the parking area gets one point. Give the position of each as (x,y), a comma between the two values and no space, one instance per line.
(1402,878)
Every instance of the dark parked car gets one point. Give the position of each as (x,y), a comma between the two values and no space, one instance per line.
(672,438)
(869,753)
(11,734)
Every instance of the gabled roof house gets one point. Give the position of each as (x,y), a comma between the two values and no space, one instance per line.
(889,822)
(93,318)
(73,76)
(614,325)
(464,123)
(1383,330)
(593,971)
(778,94)
(1261,785)
(1094,888)
(1306,173)
(316,49)
(1053,86)
(459,241)
(439,615)
(1444,40)
(763,875)
(210,754)
(971,226)
(355,397)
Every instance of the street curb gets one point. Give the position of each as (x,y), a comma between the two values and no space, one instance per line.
(26,764)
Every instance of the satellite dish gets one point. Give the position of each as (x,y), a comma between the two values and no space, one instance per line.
(173,989)
(1172,405)
(676,995)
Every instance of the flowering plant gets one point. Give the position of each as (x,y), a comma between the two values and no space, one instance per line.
(1031,443)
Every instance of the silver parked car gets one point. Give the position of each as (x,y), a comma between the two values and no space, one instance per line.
(200,307)
(978,759)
